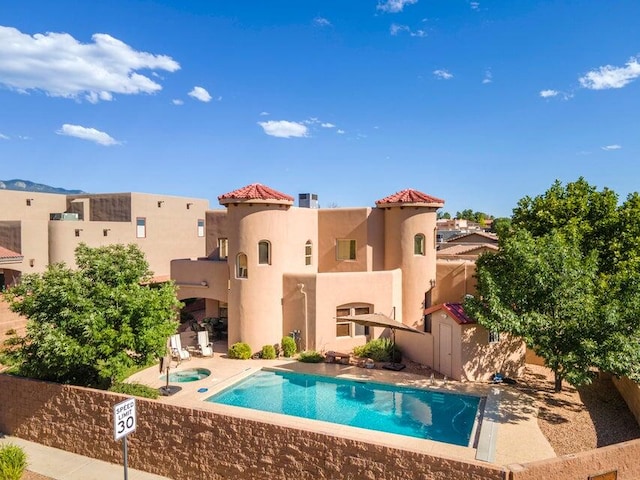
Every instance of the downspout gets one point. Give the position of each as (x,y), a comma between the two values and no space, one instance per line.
(306,321)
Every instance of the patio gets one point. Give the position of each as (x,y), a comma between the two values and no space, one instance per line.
(510,416)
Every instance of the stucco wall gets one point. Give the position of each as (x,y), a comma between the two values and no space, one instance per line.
(481,359)
(201,278)
(630,391)
(454,280)
(184,443)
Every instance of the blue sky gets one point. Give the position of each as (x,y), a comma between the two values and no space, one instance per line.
(477,102)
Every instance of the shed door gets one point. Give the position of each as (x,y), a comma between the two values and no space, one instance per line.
(445,349)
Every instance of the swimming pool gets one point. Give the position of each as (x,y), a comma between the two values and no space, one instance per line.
(426,414)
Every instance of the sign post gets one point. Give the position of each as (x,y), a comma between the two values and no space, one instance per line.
(124,422)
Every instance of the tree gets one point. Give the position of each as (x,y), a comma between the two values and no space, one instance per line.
(444,215)
(501,225)
(543,290)
(88,326)
(602,248)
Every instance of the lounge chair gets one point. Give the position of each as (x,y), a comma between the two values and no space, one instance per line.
(177,352)
(204,346)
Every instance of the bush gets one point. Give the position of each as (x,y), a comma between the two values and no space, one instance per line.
(288,347)
(379,350)
(13,462)
(310,356)
(268,352)
(240,351)
(137,389)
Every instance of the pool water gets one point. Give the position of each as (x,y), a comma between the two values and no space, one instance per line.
(426,414)
(188,375)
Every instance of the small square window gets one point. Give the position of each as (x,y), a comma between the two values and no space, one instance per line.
(77,232)
(494,337)
(345,249)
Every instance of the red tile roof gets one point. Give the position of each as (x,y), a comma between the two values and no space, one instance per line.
(255,191)
(455,311)
(9,255)
(410,196)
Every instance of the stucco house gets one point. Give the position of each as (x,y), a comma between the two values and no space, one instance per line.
(271,268)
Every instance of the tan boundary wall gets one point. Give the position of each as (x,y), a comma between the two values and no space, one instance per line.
(630,391)
(184,443)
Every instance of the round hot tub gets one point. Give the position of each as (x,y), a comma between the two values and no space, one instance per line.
(188,375)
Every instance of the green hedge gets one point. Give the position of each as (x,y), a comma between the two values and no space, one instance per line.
(137,389)
(240,351)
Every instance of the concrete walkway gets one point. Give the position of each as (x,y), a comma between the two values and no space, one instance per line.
(62,465)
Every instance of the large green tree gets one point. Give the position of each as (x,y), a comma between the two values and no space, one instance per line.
(599,241)
(89,325)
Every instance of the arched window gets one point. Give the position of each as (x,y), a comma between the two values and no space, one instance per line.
(241,266)
(418,244)
(308,252)
(264,252)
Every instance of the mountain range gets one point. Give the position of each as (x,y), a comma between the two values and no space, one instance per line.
(27,186)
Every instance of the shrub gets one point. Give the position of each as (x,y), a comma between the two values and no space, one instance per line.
(240,350)
(13,462)
(310,356)
(137,389)
(268,352)
(288,347)
(379,350)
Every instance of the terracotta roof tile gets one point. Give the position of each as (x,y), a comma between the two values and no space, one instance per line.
(6,254)
(409,195)
(255,191)
(462,248)
(455,311)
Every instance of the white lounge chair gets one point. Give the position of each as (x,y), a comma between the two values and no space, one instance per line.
(204,346)
(177,351)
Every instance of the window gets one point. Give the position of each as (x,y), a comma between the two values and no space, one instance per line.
(347,328)
(200,227)
(141,227)
(264,252)
(241,266)
(435,238)
(29,200)
(77,232)
(345,249)
(223,248)
(427,323)
(494,337)
(418,244)
(105,232)
(308,251)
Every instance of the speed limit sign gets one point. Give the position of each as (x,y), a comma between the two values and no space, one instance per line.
(124,418)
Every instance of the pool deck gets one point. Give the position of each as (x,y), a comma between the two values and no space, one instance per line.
(509,431)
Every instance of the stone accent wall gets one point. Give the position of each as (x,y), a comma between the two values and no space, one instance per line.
(630,391)
(185,443)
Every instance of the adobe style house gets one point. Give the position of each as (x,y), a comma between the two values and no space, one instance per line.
(272,268)
(37,229)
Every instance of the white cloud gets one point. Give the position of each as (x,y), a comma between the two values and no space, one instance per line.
(264,114)
(61,66)
(443,74)
(177,101)
(284,128)
(85,133)
(327,125)
(611,147)
(611,77)
(488,77)
(475,5)
(200,93)
(397,28)
(394,6)
(340,131)
(549,93)
(321,22)
(3,137)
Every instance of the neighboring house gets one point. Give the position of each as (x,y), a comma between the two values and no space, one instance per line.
(272,268)
(466,351)
(37,229)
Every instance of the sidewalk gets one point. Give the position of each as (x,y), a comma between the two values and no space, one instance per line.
(62,465)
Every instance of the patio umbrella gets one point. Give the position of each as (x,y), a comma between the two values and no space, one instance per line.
(382,320)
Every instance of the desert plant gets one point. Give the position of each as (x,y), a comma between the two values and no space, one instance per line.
(13,462)
(310,356)
(288,346)
(268,352)
(379,350)
(137,389)
(240,350)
